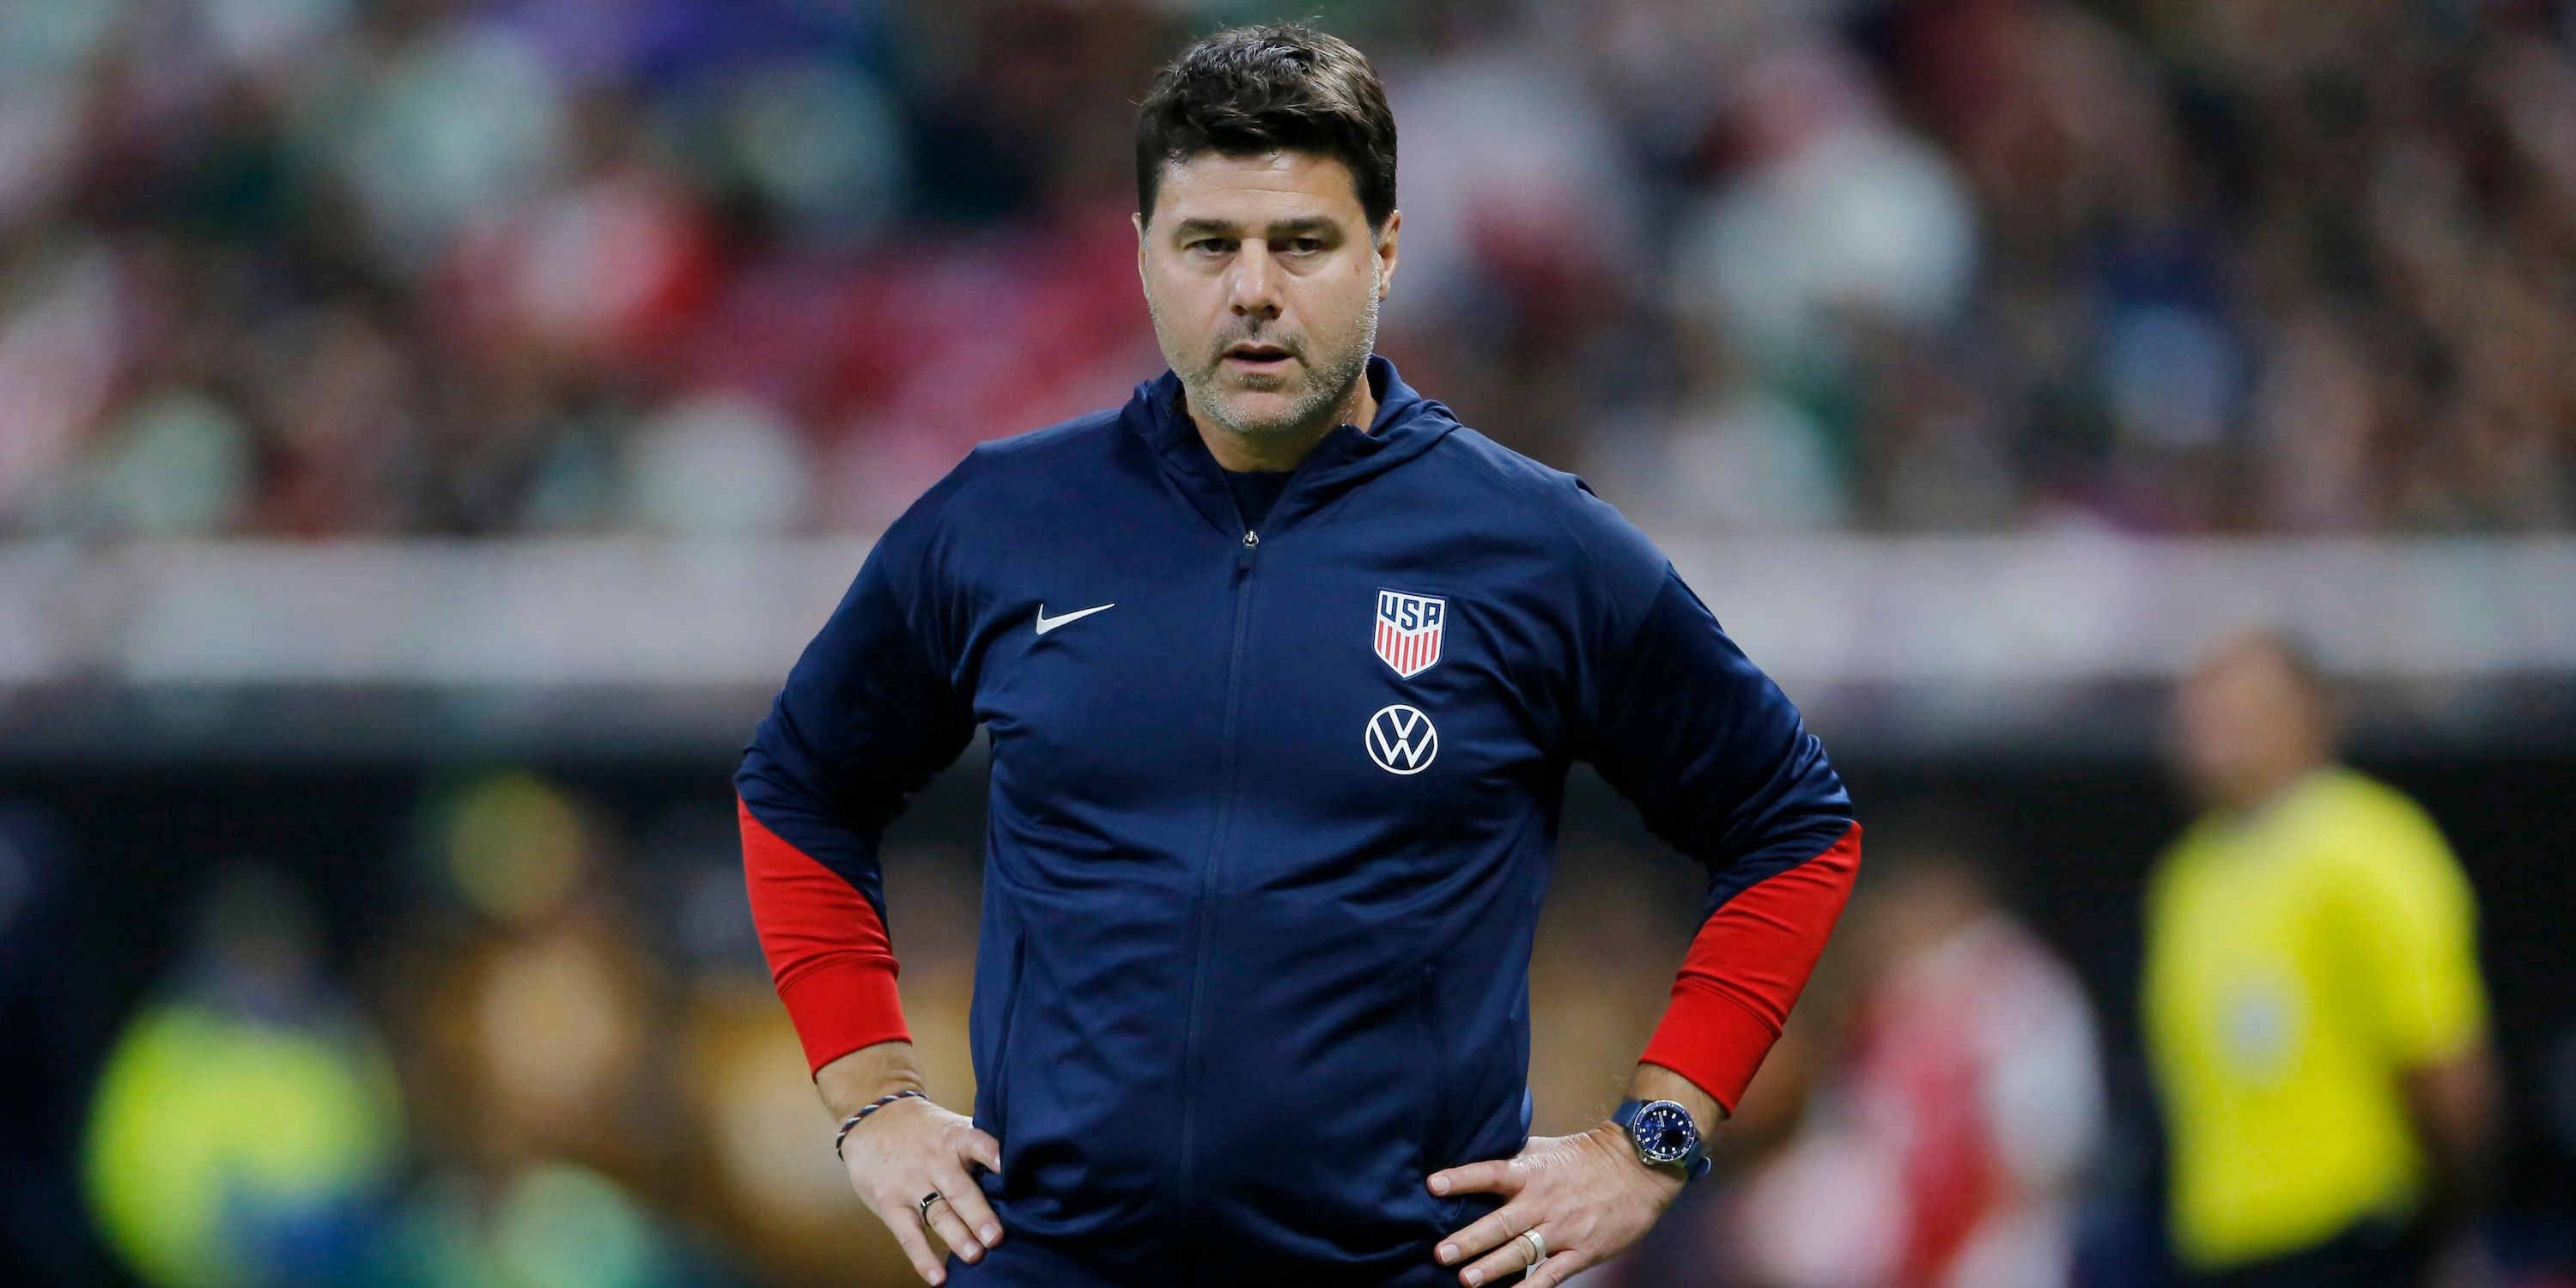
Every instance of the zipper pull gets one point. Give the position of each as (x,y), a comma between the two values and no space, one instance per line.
(1251,542)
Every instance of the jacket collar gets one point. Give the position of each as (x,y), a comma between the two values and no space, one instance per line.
(1407,425)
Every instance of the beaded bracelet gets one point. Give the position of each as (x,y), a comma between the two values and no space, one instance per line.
(861,1116)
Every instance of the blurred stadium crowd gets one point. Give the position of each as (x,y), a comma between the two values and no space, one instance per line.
(311,267)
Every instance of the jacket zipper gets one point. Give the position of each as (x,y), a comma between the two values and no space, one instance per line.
(1216,849)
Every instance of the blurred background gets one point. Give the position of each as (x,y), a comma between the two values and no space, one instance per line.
(430,428)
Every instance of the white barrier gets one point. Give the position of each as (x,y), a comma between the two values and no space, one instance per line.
(635,613)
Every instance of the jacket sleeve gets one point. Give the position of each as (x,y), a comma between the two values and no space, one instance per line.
(1719,764)
(868,715)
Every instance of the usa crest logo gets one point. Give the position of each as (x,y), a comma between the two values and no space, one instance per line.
(1408,631)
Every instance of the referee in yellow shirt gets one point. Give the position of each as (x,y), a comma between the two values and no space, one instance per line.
(2313,1013)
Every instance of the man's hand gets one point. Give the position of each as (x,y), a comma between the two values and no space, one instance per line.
(1588,1196)
(908,1149)
(911,1148)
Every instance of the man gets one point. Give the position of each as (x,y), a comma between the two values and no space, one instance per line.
(1959,1108)
(2312,1004)
(1282,670)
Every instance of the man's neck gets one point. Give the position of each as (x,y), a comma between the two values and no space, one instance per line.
(2259,797)
(1280,452)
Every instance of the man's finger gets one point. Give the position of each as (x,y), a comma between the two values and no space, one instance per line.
(1493,1228)
(1559,1267)
(981,1147)
(907,1232)
(971,1207)
(1501,1263)
(951,1229)
(1492,1176)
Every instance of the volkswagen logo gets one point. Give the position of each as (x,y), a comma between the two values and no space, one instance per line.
(1401,739)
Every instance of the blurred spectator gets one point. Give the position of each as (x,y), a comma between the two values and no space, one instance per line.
(545,1224)
(245,1128)
(1955,1118)
(1831,214)
(2313,1009)
(524,1002)
(527,1011)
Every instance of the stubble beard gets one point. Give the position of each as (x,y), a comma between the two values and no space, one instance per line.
(1328,386)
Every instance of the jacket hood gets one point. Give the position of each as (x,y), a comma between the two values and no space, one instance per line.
(1406,426)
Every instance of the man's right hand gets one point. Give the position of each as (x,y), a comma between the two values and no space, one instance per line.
(911,1148)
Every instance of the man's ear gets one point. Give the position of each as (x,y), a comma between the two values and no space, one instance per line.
(1383,245)
(1138,219)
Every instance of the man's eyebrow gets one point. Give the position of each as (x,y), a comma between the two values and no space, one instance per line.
(1307,224)
(1277,228)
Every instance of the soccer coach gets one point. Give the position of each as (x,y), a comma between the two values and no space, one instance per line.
(1282,670)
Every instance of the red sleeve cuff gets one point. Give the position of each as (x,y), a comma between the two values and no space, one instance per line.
(1745,970)
(843,1004)
(827,947)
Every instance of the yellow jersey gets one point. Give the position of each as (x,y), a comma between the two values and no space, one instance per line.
(2299,957)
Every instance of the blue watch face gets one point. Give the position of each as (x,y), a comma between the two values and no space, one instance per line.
(1663,1132)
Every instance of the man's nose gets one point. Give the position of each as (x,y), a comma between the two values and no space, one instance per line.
(1254,290)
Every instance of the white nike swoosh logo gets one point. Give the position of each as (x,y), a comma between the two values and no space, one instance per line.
(1046,623)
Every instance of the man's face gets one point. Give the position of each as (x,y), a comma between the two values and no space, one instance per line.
(2245,725)
(1264,285)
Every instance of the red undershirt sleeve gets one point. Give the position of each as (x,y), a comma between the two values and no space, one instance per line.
(827,948)
(1745,970)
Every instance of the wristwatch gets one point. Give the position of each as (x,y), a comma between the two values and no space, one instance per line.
(1664,1134)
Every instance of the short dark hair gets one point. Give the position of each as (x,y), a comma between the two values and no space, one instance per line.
(1279,87)
(2290,648)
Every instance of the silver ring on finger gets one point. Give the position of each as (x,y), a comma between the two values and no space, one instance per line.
(1536,1243)
(924,1205)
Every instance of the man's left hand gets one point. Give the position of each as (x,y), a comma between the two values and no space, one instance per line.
(1588,1196)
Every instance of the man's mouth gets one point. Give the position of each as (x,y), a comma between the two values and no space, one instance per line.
(1257,357)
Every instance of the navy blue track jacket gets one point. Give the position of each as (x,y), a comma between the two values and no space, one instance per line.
(1272,815)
